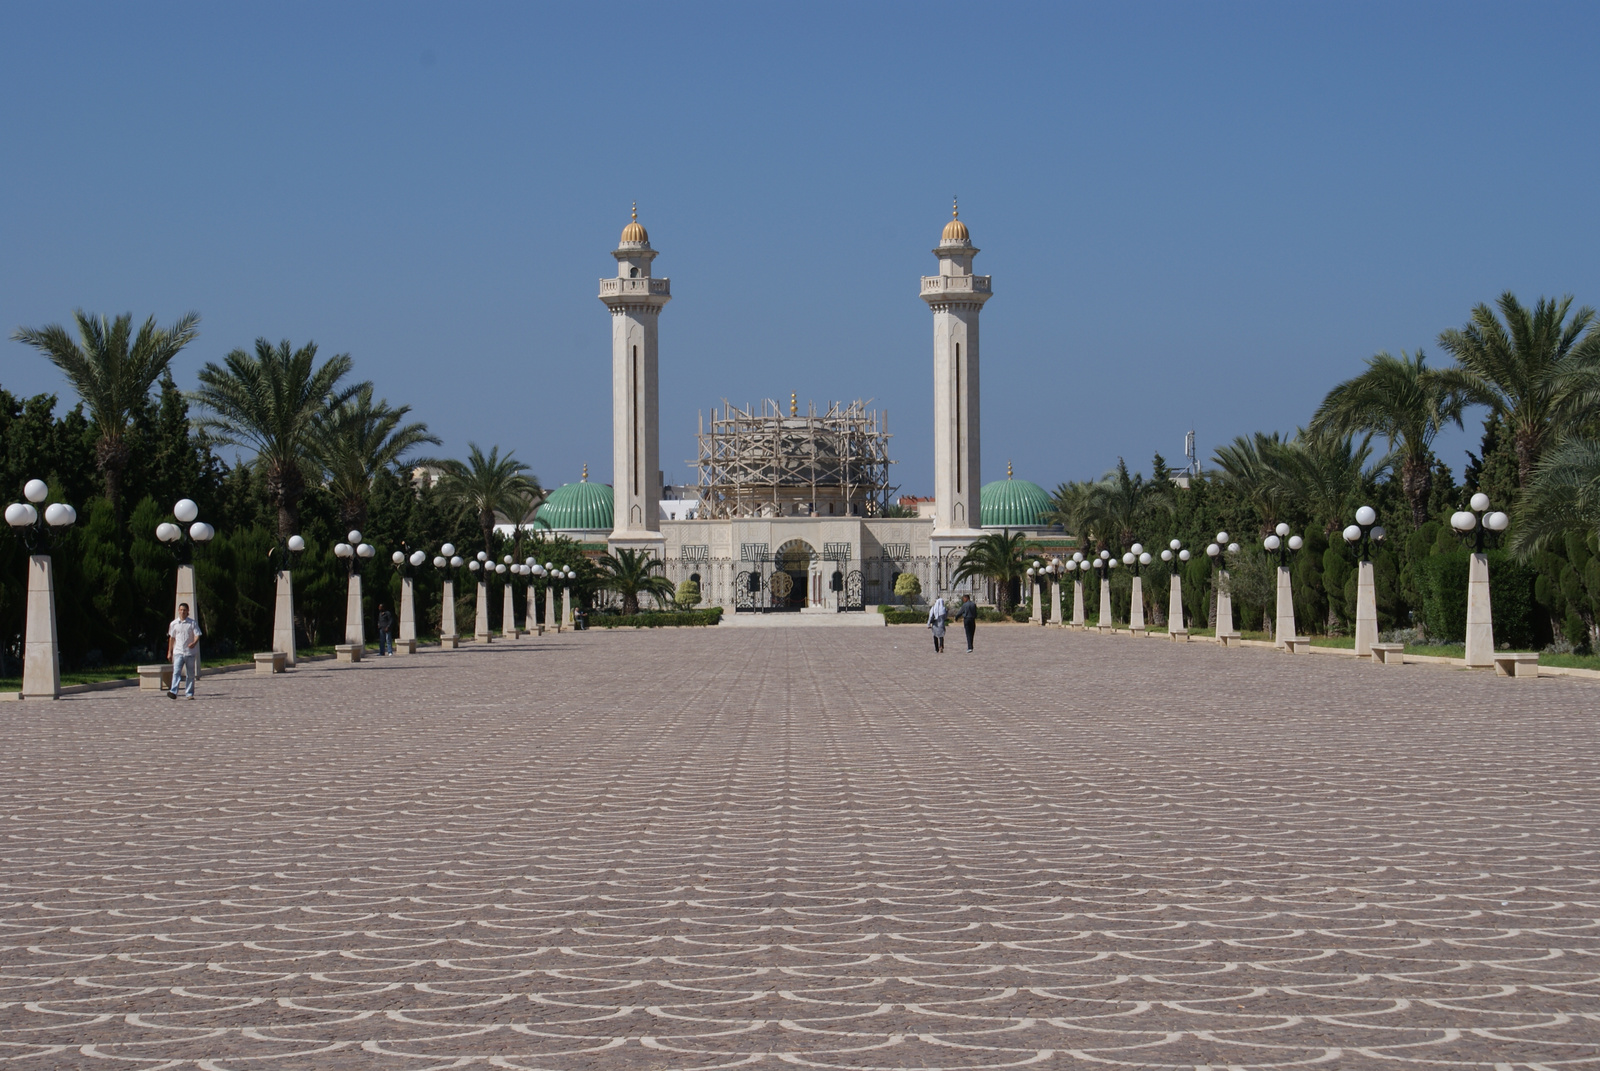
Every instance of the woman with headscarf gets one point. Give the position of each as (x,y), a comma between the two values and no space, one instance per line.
(936,621)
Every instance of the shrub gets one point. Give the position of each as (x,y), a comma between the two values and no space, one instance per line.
(907,586)
(1443,581)
(688,596)
(658,619)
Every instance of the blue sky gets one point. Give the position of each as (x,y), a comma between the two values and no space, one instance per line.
(1195,214)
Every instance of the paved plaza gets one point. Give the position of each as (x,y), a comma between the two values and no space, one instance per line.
(814,847)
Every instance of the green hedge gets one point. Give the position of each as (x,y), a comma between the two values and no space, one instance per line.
(895,615)
(1443,585)
(657,619)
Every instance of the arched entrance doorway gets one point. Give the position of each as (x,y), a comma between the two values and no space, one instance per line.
(793,560)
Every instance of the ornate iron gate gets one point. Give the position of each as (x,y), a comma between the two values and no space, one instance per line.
(852,591)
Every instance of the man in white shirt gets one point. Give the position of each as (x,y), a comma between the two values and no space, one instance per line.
(183,647)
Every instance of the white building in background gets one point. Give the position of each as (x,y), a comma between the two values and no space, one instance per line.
(801,555)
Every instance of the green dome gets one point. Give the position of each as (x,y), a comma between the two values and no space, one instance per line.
(582,505)
(1012,503)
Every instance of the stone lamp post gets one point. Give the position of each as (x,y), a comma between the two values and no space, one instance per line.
(182,543)
(566,596)
(1104,564)
(508,610)
(1134,559)
(41,655)
(554,574)
(354,552)
(1080,571)
(1036,589)
(1175,551)
(1281,543)
(404,564)
(534,572)
(1365,532)
(1480,621)
(283,604)
(481,568)
(1054,568)
(1224,597)
(449,561)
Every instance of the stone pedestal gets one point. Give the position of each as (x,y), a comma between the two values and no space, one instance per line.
(1224,604)
(480,614)
(449,641)
(1175,603)
(1078,619)
(1283,625)
(269,662)
(447,612)
(41,657)
(1480,623)
(348,652)
(550,619)
(1136,608)
(1366,610)
(533,612)
(1055,602)
(355,625)
(408,612)
(1037,616)
(185,593)
(508,611)
(283,617)
(566,607)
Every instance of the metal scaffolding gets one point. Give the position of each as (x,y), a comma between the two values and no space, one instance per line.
(760,463)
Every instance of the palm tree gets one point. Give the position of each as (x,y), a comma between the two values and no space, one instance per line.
(1069,507)
(274,402)
(998,557)
(486,485)
(1403,400)
(1122,503)
(1254,465)
(631,573)
(1564,494)
(358,440)
(1535,371)
(1327,474)
(113,375)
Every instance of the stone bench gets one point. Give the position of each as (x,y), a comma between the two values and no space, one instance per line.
(347,652)
(1388,654)
(450,643)
(1516,664)
(1178,635)
(1297,644)
(405,646)
(157,678)
(1229,639)
(268,662)
(1138,633)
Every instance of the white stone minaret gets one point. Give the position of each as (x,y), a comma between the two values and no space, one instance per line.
(956,297)
(635,301)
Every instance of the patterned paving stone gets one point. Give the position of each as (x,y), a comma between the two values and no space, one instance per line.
(819,848)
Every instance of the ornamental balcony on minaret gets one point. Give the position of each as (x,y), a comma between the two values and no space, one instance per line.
(956,297)
(635,300)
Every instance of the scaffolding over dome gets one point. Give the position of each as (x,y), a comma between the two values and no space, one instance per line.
(757,462)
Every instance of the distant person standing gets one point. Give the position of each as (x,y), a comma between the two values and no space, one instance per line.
(937,616)
(385,631)
(969,618)
(183,649)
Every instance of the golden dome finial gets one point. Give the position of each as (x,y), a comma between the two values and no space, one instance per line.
(794,403)
(634,231)
(585,472)
(955,230)
(1008,468)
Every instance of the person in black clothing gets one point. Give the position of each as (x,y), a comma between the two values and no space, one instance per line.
(385,631)
(969,618)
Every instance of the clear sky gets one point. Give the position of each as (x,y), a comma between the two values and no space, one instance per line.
(1195,214)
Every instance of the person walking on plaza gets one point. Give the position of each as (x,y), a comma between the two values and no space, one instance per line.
(937,616)
(969,618)
(183,649)
(385,630)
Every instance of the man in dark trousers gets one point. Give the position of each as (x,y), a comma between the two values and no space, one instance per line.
(969,618)
(385,631)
